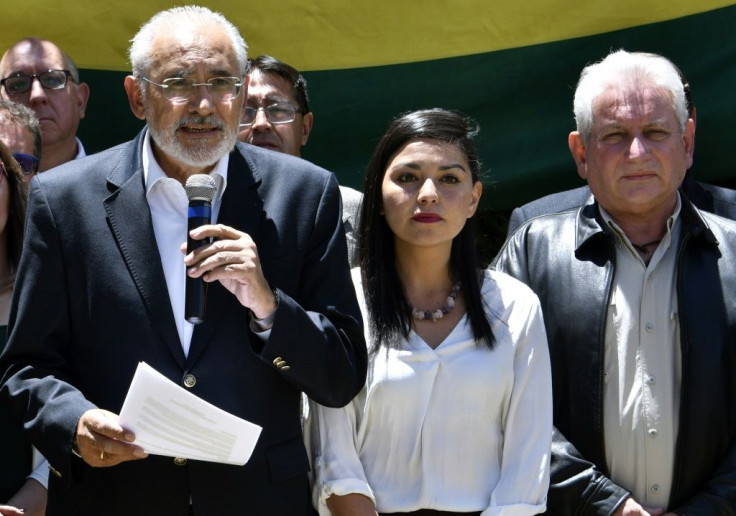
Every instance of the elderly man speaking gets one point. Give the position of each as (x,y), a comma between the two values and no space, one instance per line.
(101,288)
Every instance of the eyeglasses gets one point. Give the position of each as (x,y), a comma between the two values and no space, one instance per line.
(3,173)
(27,162)
(50,80)
(279,113)
(179,90)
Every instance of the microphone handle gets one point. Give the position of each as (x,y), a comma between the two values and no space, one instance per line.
(196,288)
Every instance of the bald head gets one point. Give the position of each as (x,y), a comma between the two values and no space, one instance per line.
(35,49)
(58,110)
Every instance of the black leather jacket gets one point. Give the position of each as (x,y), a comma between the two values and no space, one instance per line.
(568,259)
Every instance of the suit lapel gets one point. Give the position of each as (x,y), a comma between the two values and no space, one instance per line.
(242,209)
(130,221)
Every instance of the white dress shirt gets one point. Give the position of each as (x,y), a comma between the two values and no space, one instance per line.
(168,202)
(457,428)
(642,368)
(80,150)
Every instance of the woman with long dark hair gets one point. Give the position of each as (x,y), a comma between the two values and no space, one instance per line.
(16,457)
(456,416)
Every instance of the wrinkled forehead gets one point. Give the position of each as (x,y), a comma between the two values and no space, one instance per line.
(632,101)
(184,52)
(32,56)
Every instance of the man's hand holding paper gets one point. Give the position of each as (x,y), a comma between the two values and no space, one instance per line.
(102,442)
(168,420)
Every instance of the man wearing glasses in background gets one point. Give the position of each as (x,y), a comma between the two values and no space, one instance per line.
(36,73)
(21,134)
(277,117)
(101,288)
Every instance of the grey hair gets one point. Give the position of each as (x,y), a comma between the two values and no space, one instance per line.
(622,68)
(140,52)
(19,115)
(72,67)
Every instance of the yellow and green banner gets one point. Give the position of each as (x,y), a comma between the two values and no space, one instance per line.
(511,65)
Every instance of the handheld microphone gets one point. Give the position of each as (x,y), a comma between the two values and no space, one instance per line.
(200,189)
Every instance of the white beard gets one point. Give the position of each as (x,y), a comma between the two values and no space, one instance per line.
(196,155)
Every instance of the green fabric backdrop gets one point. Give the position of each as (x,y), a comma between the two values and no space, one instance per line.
(522,98)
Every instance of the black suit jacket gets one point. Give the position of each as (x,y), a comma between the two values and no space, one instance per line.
(91,302)
(710,198)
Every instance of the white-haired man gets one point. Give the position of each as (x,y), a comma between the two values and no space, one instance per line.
(101,288)
(637,291)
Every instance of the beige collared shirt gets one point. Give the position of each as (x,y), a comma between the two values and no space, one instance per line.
(642,367)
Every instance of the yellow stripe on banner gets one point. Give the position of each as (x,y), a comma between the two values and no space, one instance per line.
(336,34)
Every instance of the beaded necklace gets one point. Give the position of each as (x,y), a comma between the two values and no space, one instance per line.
(421,315)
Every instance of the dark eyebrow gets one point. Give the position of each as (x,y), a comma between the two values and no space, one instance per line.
(408,164)
(415,166)
(277,98)
(272,99)
(453,165)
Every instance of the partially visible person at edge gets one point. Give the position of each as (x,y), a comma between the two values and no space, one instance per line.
(102,287)
(456,416)
(21,134)
(38,74)
(277,117)
(19,493)
(710,198)
(637,289)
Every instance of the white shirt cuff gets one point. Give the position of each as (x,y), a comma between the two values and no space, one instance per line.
(40,472)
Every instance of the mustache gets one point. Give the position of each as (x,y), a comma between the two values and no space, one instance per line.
(209,120)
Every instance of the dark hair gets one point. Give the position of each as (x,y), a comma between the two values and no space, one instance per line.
(18,114)
(268,64)
(17,195)
(389,312)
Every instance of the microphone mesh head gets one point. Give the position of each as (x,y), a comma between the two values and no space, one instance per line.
(200,187)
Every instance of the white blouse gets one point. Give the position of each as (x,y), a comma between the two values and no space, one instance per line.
(457,428)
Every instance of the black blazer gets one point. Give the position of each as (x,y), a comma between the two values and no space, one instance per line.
(92,302)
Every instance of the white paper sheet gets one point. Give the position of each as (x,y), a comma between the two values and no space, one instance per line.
(169,420)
